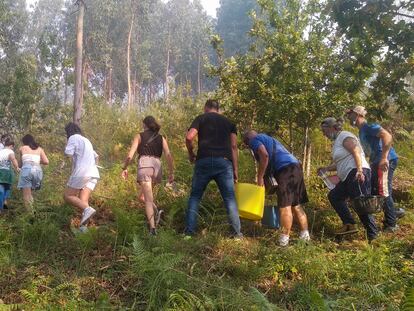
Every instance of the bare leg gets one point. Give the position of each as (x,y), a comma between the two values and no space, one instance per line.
(149,203)
(300,215)
(140,193)
(84,195)
(286,219)
(27,197)
(71,196)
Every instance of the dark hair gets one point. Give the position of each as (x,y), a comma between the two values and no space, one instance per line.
(8,141)
(29,140)
(4,137)
(152,124)
(212,104)
(72,129)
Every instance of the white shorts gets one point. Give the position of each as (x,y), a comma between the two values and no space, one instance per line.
(82,182)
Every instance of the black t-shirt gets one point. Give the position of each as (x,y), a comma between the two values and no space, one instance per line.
(214,131)
(150,145)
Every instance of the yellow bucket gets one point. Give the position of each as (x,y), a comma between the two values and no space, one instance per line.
(250,200)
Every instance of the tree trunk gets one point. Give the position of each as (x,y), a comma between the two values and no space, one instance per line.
(110,87)
(305,150)
(129,64)
(308,160)
(77,103)
(167,68)
(199,73)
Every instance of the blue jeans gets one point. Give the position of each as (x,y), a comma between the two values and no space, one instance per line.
(350,188)
(5,190)
(390,219)
(221,171)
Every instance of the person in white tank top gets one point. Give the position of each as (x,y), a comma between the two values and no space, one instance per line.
(354,173)
(31,175)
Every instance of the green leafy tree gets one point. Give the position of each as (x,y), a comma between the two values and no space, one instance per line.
(379,38)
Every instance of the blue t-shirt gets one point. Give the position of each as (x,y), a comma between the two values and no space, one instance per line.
(281,157)
(372,144)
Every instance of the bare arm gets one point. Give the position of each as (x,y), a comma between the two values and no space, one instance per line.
(13,160)
(386,140)
(235,156)
(170,162)
(20,162)
(191,134)
(263,162)
(43,158)
(134,146)
(351,145)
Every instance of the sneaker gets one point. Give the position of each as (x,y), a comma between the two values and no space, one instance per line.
(283,240)
(86,215)
(399,213)
(158,215)
(391,229)
(187,237)
(153,231)
(237,237)
(347,229)
(304,235)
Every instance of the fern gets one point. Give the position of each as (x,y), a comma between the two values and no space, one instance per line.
(261,301)
(408,302)
(373,293)
(183,300)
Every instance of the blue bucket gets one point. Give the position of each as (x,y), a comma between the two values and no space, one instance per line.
(271,217)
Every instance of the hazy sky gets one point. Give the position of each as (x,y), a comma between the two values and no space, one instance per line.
(209,5)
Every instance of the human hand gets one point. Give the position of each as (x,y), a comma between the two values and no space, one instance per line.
(124,174)
(260,181)
(235,175)
(384,165)
(171,178)
(360,176)
(192,158)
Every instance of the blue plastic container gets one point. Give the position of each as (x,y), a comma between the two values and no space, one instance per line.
(271,217)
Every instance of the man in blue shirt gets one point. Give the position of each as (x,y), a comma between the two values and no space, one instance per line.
(377,144)
(291,191)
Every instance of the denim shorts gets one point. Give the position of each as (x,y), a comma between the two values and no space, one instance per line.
(30,177)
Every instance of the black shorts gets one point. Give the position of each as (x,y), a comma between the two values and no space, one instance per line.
(291,190)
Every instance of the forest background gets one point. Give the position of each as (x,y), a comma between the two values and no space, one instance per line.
(277,66)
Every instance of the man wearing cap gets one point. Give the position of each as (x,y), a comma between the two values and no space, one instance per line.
(377,144)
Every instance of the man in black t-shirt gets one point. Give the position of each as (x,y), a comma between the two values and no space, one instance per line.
(216,160)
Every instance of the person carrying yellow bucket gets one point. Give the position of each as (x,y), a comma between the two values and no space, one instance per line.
(275,161)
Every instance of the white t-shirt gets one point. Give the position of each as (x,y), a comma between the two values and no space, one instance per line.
(81,150)
(5,163)
(343,159)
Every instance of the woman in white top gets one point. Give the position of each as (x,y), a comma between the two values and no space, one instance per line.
(31,175)
(7,163)
(85,173)
(354,173)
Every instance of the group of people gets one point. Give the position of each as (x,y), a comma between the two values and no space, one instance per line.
(358,177)
(217,159)
(28,167)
